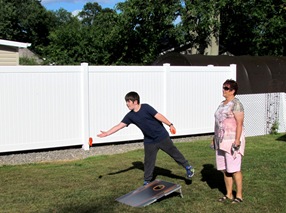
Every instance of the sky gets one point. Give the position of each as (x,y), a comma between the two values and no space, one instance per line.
(74,6)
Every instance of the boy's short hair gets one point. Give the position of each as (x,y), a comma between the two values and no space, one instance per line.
(132,96)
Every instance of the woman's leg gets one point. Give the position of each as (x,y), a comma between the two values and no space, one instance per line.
(228,184)
(237,176)
(234,168)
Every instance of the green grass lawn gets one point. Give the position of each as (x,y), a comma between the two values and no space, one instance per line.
(93,184)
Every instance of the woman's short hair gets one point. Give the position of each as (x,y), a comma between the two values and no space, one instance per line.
(232,85)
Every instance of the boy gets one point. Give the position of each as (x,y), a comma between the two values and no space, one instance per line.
(150,122)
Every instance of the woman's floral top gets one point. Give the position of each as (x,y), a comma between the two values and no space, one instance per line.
(225,126)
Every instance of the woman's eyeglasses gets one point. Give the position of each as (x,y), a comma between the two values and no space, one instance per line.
(226,88)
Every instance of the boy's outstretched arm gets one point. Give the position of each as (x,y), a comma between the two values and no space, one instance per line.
(112,130)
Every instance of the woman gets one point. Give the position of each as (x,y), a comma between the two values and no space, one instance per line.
(229,141)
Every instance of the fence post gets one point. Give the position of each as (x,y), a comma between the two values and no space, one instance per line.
(85,105)
(166,68)
(233,71)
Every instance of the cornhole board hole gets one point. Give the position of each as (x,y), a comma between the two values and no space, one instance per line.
(145,195)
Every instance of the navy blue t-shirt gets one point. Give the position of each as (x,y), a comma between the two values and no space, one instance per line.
(152,129)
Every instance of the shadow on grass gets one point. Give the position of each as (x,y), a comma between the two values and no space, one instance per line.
(89,208)
(213,178)
(282,138)
(157,171)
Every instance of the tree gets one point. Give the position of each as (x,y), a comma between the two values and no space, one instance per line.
(138,31)
(254,27)
(101,24)
(146,28)
(85,38)
(25,21)
(90,12)
(200,22)
(66,40)
(135,34)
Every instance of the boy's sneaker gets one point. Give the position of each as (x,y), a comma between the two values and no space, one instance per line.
(146,182)
(190,171)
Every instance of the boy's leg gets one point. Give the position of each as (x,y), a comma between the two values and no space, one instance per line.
(151,151)
(168,146)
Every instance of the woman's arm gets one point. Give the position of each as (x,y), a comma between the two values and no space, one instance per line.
(239,117)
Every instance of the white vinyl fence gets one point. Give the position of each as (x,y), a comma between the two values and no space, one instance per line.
(57,106)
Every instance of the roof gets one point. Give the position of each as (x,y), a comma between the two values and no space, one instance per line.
(14,43)
(255,74)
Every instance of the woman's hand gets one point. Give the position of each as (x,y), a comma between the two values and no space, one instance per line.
(212,145)
(237,143)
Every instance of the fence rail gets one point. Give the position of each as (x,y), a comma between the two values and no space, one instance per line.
(57,106)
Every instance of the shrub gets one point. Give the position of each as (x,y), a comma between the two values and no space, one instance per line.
(274,128)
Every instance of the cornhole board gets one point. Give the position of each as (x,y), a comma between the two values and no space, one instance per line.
(145,195)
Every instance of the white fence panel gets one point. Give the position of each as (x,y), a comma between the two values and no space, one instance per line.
(108,87)
(40,107)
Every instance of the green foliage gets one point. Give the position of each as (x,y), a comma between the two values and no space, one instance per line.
(25,21)
(86,38)
(66,44)
(274,128)
(136,31)
(28,61)
(93,184)
(201,19)
(254,27)
(89,13)
(146,28)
